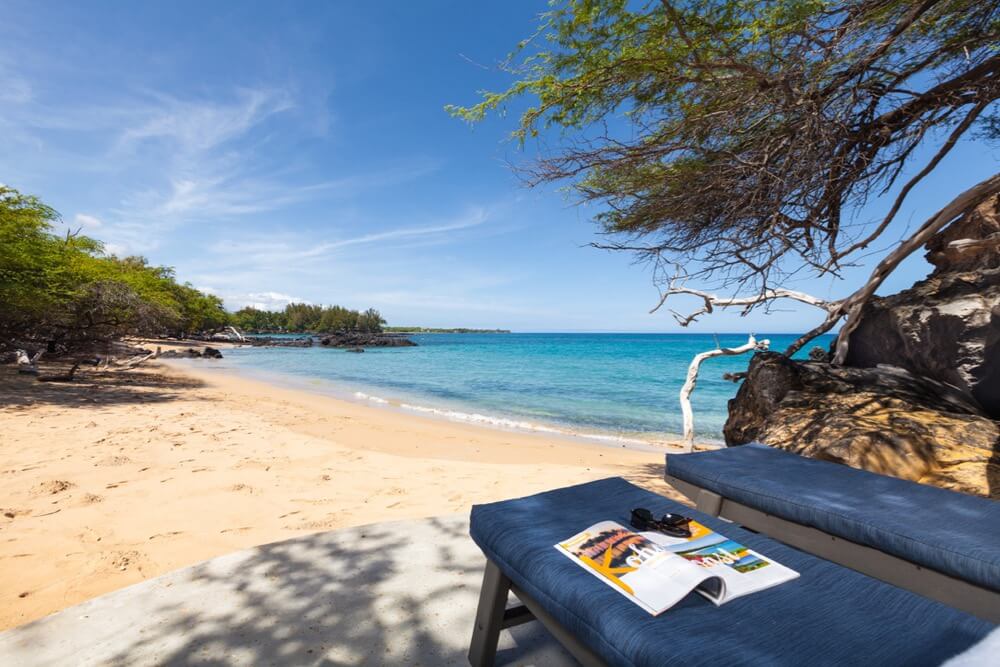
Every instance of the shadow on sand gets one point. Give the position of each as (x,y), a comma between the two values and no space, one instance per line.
(401,593)
(91,387)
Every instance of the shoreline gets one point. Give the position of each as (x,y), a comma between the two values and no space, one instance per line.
(459,414)
(118,477)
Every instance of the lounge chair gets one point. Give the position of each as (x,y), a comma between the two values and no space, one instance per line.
(830,615)
(937,543)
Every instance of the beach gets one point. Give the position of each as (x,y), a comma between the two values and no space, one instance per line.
(118,477)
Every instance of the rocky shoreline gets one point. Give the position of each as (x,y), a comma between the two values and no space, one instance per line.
(346,340)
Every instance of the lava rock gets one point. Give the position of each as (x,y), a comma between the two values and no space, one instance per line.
(884,419)
(946,327)
(351,340)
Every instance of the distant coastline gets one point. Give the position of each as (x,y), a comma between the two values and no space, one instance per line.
(434,330)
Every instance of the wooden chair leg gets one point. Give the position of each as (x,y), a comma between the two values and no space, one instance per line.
(489,617)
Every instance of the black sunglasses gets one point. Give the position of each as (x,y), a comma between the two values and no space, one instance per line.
(671,524)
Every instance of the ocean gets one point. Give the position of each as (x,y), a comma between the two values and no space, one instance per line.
(612,387)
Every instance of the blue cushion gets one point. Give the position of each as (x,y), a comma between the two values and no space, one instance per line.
(830,615)
(947,531)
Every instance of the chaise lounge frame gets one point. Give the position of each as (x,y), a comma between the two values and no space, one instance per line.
(493,615)
(954,592)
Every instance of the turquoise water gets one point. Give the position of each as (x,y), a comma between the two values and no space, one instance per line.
(600,385)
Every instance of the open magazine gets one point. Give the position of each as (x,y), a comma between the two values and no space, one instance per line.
(655,570)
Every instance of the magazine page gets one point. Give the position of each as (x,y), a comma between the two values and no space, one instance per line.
(650,575)
(743,570)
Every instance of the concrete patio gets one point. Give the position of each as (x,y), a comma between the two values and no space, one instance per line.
(401,593)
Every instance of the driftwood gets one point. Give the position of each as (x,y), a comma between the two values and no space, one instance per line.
(751,345)
(28,365)
(133,362)
(65,377)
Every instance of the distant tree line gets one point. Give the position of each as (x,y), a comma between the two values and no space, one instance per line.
(456,330)
(64,292)
(303,317)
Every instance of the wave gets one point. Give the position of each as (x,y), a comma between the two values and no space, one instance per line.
(368,397)
(504,422)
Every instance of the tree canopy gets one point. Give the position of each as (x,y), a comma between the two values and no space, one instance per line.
(734,140)
(304,317)
(64,290)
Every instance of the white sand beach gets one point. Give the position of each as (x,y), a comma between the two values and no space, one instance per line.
(119,477)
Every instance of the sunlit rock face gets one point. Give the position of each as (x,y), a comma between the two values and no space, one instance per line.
(884,419)
(946,327)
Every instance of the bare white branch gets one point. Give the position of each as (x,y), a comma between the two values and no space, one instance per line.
(711,301)
(751,345)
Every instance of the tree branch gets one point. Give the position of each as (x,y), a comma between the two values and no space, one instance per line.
(853,304)
(712,301)
(751,345)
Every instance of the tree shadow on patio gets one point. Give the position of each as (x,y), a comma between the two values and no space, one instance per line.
(401,593)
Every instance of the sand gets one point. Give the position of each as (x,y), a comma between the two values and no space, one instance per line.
(119,477)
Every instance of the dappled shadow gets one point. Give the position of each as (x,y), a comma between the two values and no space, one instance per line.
(948,449)
(650,476)
(91,387)
(993,471)
(401,593)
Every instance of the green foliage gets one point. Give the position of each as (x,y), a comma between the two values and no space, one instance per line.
(729,136)
(303,318)
(66,290)
(252,319)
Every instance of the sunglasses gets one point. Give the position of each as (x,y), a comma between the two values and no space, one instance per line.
(670,524)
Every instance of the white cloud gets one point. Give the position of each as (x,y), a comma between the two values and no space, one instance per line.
(87,221)
(117,249)
(261,300)
(194,126)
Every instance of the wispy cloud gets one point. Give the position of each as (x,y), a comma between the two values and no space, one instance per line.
(474,218)
(275,252)
(195,126)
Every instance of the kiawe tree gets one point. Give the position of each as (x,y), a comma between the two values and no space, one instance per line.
(64,291)
(736,143)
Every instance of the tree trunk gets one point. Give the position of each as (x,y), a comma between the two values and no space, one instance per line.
(751,345)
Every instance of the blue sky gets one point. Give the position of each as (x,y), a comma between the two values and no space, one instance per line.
(301,151)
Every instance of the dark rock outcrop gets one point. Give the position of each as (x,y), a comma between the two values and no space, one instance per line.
(270,341)
(946,327)
(362,340)
(191,353)
(883,419)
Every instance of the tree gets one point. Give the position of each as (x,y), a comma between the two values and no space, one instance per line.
(64,291)
(370,321)
(736,142)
